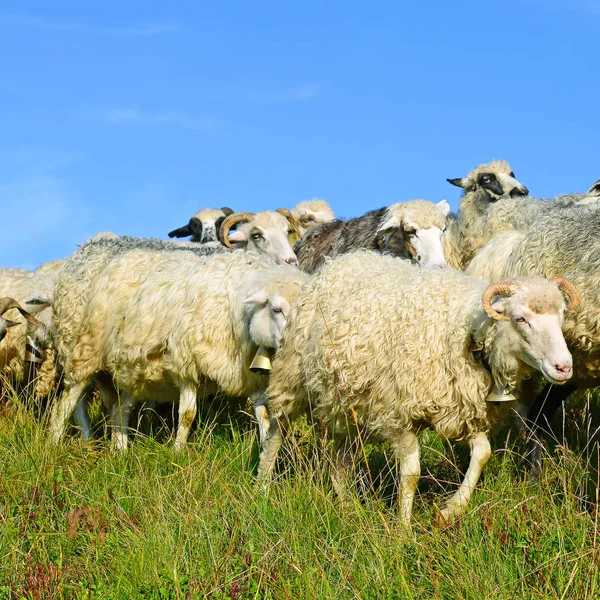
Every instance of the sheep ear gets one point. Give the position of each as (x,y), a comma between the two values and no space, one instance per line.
(390,225)
(261,297)
(500,306)
(458,182)
(443,207)
(181,232)
(238,236)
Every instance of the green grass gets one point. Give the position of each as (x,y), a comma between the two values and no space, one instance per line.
(77,521)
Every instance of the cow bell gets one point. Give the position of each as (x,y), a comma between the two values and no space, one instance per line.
(262,360)
(500,395)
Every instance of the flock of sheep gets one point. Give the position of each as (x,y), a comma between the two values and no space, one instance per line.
(376,327)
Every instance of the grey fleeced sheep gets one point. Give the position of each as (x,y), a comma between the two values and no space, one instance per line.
(172,326)
(379,346)
(410,230)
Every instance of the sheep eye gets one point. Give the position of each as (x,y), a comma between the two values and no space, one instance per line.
(410,231)
(486,178)
(278,310)
(520,320)
(511,174)
(256,236)
(444,230)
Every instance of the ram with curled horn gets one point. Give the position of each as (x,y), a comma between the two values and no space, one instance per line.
(391,375)
(267,233)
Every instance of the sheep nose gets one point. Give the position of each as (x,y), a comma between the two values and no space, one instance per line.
(291,260)
(564,369)
(519,192)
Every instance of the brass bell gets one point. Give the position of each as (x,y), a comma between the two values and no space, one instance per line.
(262,360)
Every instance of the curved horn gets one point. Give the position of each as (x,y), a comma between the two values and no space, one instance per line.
(227,211)
(8,303)
(500,288)
(568,289)
(291,219)
(229,222)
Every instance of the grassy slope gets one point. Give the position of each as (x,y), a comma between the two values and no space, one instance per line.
(78,521)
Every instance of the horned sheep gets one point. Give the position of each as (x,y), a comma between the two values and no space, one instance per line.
(171,326)
(411,230)
(566,242)
(379,348)
(203,226)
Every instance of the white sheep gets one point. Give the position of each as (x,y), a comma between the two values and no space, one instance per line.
(379,348)
(172,326)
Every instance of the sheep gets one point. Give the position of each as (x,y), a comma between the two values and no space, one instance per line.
(24,347)
(203,226)
(411,230)
(7,304)
(483,186)
(312,212)
(265,233)
(566,242)
(378,348)
(169,325)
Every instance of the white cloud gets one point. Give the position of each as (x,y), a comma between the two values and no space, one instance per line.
(86,28)
(286,96)
(135,115)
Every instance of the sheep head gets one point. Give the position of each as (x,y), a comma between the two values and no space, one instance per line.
(5,305)
(312,212)
(267,233)
(531,311)
(494,180)
(268,306)
(204,225)
(422,224)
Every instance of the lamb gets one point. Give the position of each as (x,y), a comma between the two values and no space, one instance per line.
(483,186)
(566,242)
(203,226)
(411,230)
(168,325)
(378,348)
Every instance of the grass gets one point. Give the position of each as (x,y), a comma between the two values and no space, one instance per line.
(77,521)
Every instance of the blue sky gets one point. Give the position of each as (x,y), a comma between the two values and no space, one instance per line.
(130,116)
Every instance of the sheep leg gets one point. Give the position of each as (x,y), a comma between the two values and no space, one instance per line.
(269,450)
(62,410)
(481,452)
(259,400)
(408,457)
(342,467)
(187,413)
(82,419)
(119,416)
